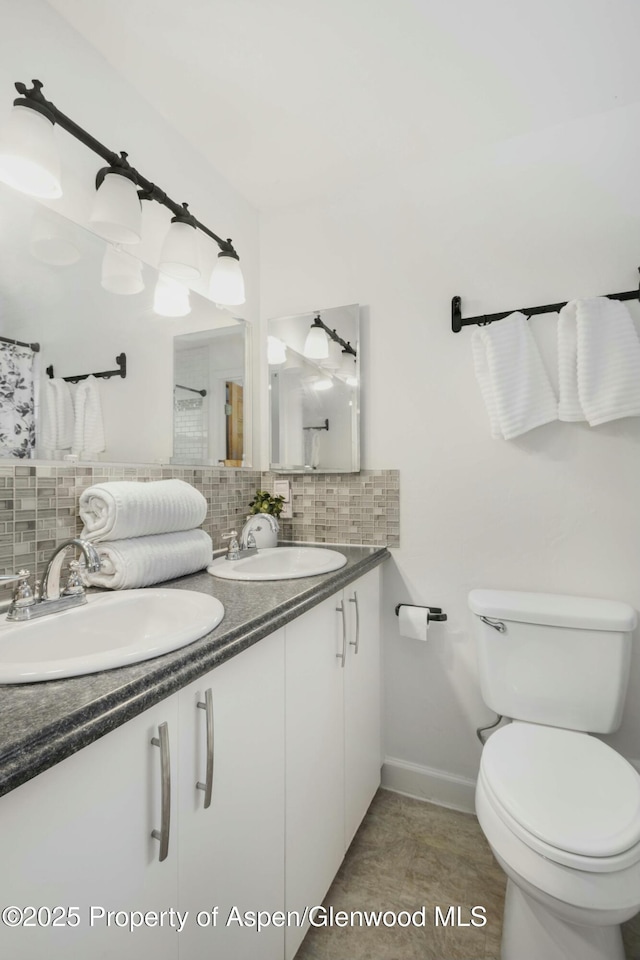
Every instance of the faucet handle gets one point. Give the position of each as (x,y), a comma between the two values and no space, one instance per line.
(6,579)
(233,550)
(74,585)
(23,594)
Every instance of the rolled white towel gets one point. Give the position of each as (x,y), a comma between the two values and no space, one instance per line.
(598,361)
(121,509)
(127,564)
(512,378)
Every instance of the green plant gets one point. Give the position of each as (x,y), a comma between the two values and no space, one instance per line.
(264,502)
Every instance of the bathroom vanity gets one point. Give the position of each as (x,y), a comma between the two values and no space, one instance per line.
(186,793)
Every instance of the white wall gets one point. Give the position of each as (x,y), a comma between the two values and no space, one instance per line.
(533,220)
(37,42)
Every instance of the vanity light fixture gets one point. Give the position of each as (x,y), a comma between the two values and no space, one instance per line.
(29,159)
(316,346)
(117,211)
(347,371)
(29,162)
(322,383)
(179,256)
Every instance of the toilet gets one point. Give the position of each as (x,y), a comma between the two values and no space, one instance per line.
(559,808)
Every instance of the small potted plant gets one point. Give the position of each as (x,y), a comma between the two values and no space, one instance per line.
(266,509)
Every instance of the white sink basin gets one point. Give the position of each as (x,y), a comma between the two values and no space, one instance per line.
(279,563)
(111,630)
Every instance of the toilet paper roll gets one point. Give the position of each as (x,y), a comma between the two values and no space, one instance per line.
(413,622)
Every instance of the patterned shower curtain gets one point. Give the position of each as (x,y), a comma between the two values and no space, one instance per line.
(17,420)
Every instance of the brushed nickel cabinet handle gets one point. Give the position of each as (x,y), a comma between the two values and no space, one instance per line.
(207,786)
(165,775)
(356,643)
(343,656)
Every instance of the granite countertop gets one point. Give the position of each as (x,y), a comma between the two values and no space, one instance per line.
(42,723)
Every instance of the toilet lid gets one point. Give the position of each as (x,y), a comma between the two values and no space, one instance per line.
(569,790)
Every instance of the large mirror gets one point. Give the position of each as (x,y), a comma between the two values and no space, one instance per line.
(53,275)
(314,391)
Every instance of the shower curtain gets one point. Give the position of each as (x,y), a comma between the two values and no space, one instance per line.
(17,419)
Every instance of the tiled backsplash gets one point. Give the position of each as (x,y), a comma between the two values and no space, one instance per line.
(39,505)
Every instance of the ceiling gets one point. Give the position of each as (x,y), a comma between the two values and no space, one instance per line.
(295,99)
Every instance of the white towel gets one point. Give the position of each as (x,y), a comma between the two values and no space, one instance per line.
(56,432)
(88,432)
(512,377)
(598,361)
(122,509)
(127,564)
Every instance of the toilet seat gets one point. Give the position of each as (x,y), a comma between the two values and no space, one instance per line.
(566,795)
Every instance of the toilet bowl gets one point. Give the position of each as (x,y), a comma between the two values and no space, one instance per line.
(570,847)
(559,808)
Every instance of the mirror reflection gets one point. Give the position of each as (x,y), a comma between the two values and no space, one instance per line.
(314,391)
(86,305)
(209,397)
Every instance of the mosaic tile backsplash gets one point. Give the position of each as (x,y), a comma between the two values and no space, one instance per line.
(39,505)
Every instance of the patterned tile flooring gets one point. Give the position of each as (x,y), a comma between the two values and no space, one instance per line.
(408,854)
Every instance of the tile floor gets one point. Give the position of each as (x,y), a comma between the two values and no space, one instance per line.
(408,854)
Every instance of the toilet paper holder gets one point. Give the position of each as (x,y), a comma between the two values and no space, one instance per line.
(435,613)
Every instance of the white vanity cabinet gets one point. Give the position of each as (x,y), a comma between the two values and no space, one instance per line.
(78,837)
(231,757)
(333,749)
(239,793)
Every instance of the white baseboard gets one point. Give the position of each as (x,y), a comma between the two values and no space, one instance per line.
(425,783)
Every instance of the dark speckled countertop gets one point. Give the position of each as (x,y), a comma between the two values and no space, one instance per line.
(42,723)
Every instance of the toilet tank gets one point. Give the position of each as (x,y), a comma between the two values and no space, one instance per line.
(561,661)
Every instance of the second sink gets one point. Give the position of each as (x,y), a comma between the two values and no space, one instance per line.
(279,563)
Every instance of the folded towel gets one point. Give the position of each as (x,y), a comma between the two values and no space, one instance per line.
(127,564)
(598,361)
(512,378)
(56,432)
(88,433)
(122,509)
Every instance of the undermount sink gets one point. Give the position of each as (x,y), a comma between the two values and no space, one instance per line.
(279,563)
(110,630)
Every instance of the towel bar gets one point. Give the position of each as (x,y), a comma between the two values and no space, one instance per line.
(121,360)
(457,321)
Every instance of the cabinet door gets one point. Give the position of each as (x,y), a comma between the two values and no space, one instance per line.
(79,836)
(231,852)
(314,758)
(362,698)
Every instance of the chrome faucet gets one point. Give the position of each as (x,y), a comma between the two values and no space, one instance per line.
(27,605)
(236,551)
(255,523)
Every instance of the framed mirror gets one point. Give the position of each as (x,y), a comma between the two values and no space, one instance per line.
(314,391)
(64,289)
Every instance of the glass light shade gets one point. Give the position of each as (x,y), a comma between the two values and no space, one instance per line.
(227,283)
(179,256)
(29,159)
(276,351)
(333,361)
(121,273)
(171,298)
(323,383)
(50,243)
(348,370)
(316,346)
(117,211)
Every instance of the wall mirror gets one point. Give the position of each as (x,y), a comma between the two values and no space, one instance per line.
(314,391)
(52,292)
(211,390)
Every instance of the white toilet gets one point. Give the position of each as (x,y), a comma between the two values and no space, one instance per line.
(560,809)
